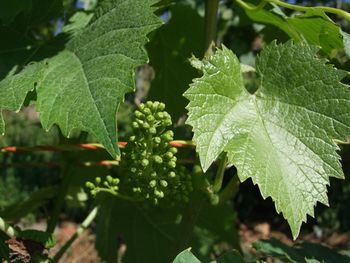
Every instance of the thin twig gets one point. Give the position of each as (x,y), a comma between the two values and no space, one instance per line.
(79,147)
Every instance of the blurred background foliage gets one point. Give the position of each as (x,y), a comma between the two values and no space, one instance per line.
(168,72)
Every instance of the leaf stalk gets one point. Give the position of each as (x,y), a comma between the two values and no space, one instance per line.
(220,173)
(262,4)
(211,14)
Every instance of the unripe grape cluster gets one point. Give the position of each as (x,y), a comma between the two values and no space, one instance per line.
(110,184)
(149,159)
(148,168)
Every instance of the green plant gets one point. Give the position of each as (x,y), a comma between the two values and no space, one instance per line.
(278,120)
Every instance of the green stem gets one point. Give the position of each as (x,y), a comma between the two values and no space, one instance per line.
(251,7)
(86,223)
(220,173)
(326,9)
(230,190)
(211,13)
(7,229)
(121,196)
(68,159)
(66,178)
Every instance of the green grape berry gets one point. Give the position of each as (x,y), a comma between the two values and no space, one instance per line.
(146,126)
(98,180)
(153,183)
(155,105)
(150,118)
(172,164)
(157,140)
(144,162)
(157,159)
(89,185)
(159,194)
(173,150)
(169,155)
(161,106)
(109,179)
(149,104)
(163,183)
(159,116)
(147,111)
(139,114)
(135,125)
(172,174)
(153,130)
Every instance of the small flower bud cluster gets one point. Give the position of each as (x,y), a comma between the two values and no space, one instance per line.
(110,184)
(149,163)
(182,187)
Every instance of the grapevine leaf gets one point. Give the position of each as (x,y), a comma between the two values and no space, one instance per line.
(77,21)
(282,135)
(169,51)
(186,256)
(278,250)
(121,222)
(83,85)
(214,225)
(306,252)
(314,26)
(14,89)
(87,81)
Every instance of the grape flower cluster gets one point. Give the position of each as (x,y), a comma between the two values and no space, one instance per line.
(148,168)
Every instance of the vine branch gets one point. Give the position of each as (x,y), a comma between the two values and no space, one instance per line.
(82,146)
(326,9)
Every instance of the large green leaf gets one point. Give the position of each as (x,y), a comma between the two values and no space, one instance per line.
(306,252)
(82,86)
(314,26)
(215,224)
(157,234)
(14,89)
(151,235)
(169,50)
(282,135)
